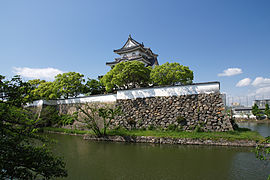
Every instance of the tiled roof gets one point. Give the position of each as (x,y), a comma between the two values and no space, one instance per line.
(136,46)
(132,45)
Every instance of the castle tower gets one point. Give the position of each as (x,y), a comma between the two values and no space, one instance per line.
(133,50)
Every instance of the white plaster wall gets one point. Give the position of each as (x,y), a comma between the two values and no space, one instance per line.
(130,54)
(169,91)
(139,93)
(101,98)
(35,103)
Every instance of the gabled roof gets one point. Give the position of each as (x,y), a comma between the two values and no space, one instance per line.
(130,44)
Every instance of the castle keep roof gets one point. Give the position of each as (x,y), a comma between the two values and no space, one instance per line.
(133,50)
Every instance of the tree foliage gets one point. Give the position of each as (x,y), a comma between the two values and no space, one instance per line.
(267,111)
(43,89)
(36,82)
(65,85)
(46,90)
(69,84)
(257,112)
(93,87)
(23,153)
(262,151)
(15,91)
(171,74)
(126,75)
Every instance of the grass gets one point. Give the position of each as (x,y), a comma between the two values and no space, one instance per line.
(240,134)
(63,130)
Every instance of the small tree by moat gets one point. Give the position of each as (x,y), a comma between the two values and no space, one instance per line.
(97,118)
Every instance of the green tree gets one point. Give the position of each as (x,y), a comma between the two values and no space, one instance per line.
(94,115)
(256,111)
(126,75)
(15,91)
(36,82)
(46,90)
(93,87)
(23,153)
(267,111)
(171,74)
(262,151)
(69,84)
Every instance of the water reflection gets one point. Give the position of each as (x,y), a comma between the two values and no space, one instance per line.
(103,160)
(262,128)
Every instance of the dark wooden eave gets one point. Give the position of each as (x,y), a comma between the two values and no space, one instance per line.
(133,48)
(124,50)
(138,58)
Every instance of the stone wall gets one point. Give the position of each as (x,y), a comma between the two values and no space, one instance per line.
(191,107)
(187,112)
(72,108)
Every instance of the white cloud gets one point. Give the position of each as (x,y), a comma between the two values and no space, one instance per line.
(231,72)
(263,90)
(260,82)
(243,82)
(37,73)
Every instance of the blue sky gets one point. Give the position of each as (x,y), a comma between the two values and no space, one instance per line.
(209,36)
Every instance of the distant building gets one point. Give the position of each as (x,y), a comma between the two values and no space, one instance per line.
(223,96)
(133,50)
(262,103)
(235,104)
(246,112)
(243,112)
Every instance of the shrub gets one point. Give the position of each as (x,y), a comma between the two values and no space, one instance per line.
(179,128)
(151,127)
(172,127)
(67,119)
(92,113)
(143,128)
(117,128)
(48,116)
(132,123)
(181,120)
(198,129)
(140,122)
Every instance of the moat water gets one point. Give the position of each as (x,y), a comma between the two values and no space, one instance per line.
(106,160)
